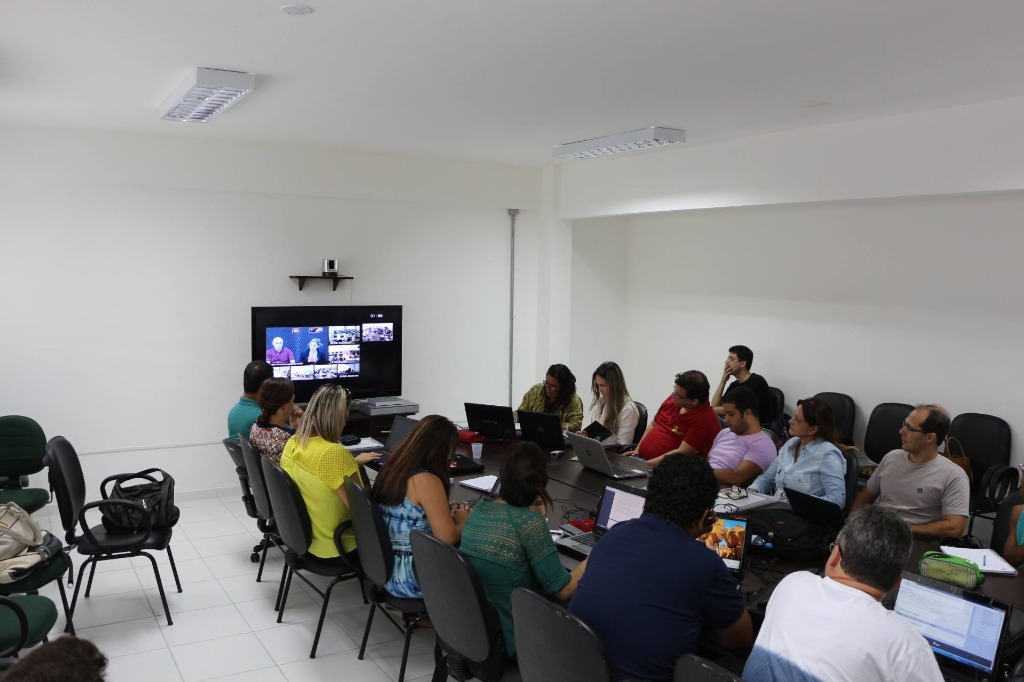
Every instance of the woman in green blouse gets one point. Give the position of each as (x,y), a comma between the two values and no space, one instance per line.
(508,542)
(556,395)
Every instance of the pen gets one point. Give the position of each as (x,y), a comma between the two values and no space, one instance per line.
(983,561)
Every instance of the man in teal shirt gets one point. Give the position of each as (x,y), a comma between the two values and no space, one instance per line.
(246,411)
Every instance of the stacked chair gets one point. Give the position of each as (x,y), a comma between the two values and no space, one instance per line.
(22,452)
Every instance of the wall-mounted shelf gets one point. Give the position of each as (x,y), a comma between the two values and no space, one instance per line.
(301,279)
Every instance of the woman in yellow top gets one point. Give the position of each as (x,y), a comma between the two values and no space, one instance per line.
(319,465)
(556,395)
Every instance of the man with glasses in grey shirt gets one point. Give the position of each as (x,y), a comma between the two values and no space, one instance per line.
(929,492)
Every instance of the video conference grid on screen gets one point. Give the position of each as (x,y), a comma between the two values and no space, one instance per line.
(322,352)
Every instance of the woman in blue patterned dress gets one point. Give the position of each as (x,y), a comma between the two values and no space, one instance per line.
(412,490)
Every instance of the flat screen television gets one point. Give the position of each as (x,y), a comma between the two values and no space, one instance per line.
(356,346)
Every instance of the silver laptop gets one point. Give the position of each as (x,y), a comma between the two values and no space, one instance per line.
(591,455)
(618,503)
(965,629)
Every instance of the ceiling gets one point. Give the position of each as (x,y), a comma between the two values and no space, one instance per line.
(503,82)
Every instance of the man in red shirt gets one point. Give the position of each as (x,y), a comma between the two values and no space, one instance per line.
(684,424)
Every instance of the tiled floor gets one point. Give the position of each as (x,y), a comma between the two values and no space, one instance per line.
(225,626)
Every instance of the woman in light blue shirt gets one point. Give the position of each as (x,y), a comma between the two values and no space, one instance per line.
(810,461)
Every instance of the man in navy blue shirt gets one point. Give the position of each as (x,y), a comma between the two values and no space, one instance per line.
(651,588)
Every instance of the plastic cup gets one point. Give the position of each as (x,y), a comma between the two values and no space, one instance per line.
(478,450)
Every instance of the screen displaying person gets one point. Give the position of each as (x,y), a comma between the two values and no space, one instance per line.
(277,354)
(317,354)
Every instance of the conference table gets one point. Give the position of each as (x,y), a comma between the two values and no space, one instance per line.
(575,489)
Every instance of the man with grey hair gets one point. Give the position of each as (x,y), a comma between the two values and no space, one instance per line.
(928,491)
(835,628)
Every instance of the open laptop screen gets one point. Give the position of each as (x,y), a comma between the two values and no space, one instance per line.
(956,626)
(618,505)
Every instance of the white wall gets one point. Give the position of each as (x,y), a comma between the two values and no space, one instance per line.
(912,300)
(598,298)
(130,265)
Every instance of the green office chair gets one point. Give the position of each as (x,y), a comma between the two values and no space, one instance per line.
(22,452)
(24,621)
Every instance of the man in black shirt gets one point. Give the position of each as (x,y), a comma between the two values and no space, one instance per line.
(737,365)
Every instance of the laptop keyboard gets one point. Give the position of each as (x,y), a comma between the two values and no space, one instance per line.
(588,539)
(619,468)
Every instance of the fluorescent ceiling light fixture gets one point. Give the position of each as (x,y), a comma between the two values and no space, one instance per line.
(645,138)
(206,93)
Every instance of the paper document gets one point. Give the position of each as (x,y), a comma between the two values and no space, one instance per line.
(754,499)
(988,561)
(481,483)
(365,444)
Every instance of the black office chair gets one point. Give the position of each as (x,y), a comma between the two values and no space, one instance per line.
(693,668)
(261,500)
(843,411)
(539,622)
(465,623)
(852,477)
(22,452)
(96,542)
(882,433)
(1001,526)
(641,422)
(378,560)
(235,452)
(779,407)
(986,440)
(296,533)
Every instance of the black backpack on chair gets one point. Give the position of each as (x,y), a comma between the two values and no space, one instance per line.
(155,495)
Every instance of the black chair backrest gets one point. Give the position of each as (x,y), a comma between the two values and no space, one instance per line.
(257,480)
(291,515)
(852,474)
(779,407)
(539,622)
(463,619)
(1001,528)
(67,482)
(641,422)
(883,430)
(235,451)
(843,411)
(986,440)
(22,446)
(692,668)
(372,540)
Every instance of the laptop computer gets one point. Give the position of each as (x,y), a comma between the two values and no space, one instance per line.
(400,428)
(543,429)
(816,510)
(618,503)
(966,630)
(591,455)
(730,540)
(491,421)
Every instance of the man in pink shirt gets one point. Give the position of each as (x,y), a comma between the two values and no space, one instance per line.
(742,451)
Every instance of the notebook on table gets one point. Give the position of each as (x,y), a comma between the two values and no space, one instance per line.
(400,428)
(618,503)
(966,630)
(493,422)
(543,429)
(591,454)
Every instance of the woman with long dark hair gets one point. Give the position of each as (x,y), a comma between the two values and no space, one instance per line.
(810,461)
(412,490)
(556,395)
(279,417)
(508,541)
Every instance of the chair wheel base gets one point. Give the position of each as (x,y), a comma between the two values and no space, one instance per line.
(254,557)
